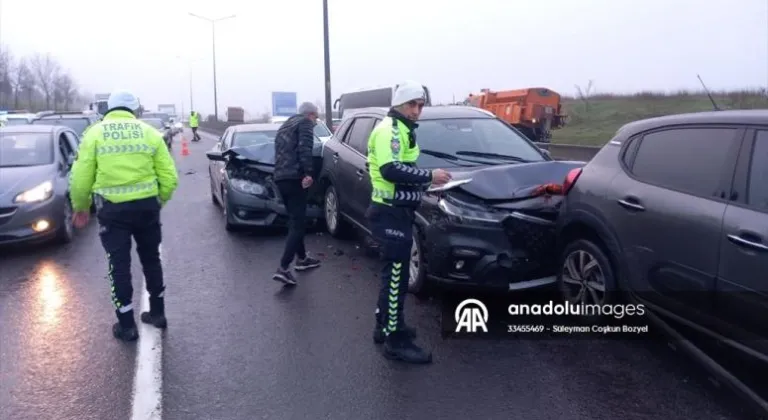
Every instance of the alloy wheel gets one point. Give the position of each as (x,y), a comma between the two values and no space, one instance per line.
(331,210)
(413,269)
(583,278)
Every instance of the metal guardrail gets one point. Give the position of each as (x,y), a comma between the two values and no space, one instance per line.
(558,151)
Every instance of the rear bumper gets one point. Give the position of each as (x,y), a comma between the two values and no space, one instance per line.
(498,258)
(250,210)
(16,226)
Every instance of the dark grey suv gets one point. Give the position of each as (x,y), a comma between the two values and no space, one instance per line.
(674,211)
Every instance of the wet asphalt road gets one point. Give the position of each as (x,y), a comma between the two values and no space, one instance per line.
(241,347)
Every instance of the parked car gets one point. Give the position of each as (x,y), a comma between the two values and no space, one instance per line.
(240,169)
(673,212)
(17,118)
(495,231)
(35,163)
(77,121)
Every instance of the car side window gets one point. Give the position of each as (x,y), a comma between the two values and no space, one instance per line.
(342,129)
(225,140)
(757,195)
(74,142)
(689,160)
(67,151)
(358,135)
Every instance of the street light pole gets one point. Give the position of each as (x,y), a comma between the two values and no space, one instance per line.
(326,48)
(213,41)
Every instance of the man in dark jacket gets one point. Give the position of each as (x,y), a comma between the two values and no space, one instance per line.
(293,176)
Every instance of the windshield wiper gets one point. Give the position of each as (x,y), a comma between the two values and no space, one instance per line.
(448,156)
(491,155)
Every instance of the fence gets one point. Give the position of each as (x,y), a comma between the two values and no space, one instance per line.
(558,151)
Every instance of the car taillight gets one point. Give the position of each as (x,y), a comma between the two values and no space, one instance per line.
(570,179)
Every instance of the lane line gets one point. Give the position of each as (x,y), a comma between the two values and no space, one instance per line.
(148,379)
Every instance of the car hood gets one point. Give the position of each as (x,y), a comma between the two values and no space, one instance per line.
(16,180)
(514,181)
(262,155)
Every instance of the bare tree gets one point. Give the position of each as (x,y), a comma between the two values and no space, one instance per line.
(25,80)
(45,69)
(5,76)
(64,90)
(585,94)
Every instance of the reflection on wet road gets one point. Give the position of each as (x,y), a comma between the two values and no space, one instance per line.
(240,347)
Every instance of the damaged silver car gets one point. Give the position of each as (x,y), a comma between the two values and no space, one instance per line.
(240,169)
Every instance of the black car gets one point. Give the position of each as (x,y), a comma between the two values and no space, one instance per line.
(494,231)
(673,212)
(240,169)
(77,121)
(35,165)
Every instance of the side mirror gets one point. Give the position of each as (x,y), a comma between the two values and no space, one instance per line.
(215,156)
(545,151)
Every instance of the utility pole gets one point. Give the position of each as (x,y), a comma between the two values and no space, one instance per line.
(326,48)
(213,41)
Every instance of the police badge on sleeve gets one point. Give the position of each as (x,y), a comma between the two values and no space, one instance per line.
(395,146)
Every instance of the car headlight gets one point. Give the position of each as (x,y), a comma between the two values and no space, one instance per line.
(248,187)
(41,192)
(464,212)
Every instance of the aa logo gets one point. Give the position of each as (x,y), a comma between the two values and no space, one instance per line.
(471,315)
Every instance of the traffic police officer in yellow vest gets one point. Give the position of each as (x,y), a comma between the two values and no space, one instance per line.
(397,186)
(124,165)
(194,123)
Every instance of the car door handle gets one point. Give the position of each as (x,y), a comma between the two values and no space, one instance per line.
(631,203)
(336,157)
(361,173)
(738,240)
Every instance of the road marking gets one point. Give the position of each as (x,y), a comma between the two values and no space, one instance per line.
(148,379)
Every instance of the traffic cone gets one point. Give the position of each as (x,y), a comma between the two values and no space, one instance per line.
(184,147)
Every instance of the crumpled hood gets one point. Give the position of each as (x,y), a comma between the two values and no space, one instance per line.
(263,155)
(514,181)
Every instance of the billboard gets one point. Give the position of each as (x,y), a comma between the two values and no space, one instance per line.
(284,104)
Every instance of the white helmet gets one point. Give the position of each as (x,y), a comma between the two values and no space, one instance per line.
(123,99)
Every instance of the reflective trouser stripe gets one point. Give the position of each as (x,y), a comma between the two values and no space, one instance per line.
(394,298)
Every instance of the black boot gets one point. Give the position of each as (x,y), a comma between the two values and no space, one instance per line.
(125,328)
(379,336)
(399,346)
(156,314)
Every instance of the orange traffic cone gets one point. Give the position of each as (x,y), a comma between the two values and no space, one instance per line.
(184,147)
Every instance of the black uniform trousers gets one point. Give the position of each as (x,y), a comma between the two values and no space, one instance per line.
(119,223)
(392,229)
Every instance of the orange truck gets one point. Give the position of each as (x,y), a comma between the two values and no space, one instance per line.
(533,111)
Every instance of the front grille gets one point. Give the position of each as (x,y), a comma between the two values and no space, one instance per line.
(537,240)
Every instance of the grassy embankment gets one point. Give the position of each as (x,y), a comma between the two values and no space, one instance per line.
(595,121)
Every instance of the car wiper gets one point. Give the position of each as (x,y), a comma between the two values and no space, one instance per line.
(448,156)
(491,155)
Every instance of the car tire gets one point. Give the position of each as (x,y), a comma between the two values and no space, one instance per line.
(418,284)
(66,231)
(214,200)
(334,221)
(585,268)
(228,225)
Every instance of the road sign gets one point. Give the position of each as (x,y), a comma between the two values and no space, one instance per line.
(284,104)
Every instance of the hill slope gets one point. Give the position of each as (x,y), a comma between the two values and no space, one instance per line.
(595,122)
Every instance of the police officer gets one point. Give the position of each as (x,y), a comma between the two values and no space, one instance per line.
(125,164)
(194,122)
(397,189)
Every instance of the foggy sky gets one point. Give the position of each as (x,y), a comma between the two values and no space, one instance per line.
(454,48)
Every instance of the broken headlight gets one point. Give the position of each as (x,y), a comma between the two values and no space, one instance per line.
(248,187)
(463,212)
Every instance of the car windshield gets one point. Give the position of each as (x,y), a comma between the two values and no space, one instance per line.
(154,122)
(28,149)
(321,130)
(476,139)
(250,138)
(17,121)
(77,124)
